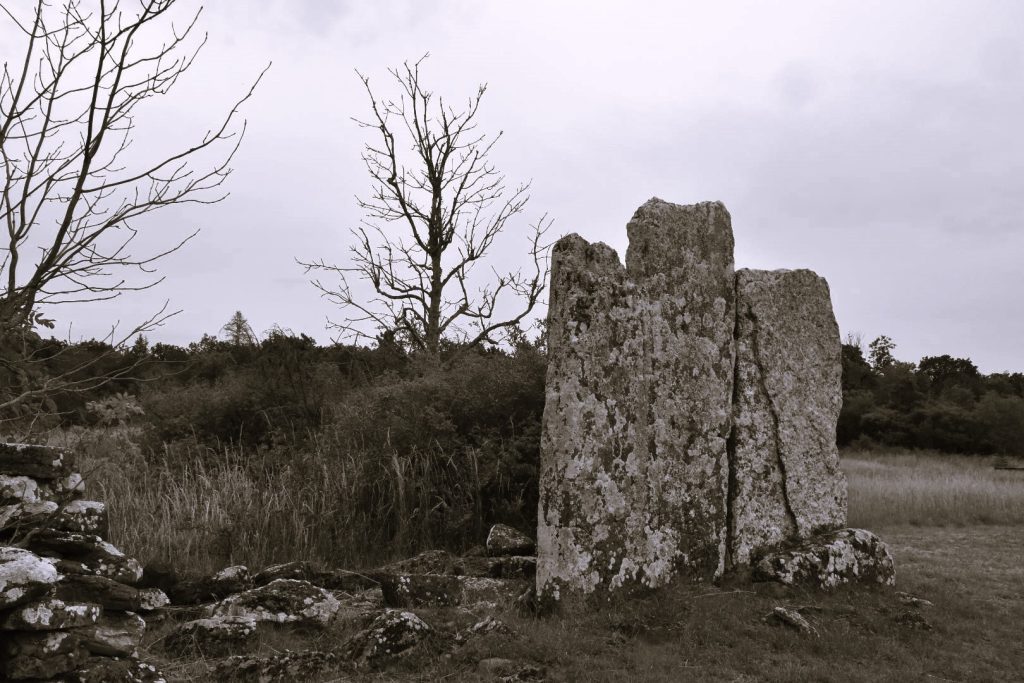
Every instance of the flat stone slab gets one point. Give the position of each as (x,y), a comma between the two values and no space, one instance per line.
(84,516)
(33,656)
(638,405)
(283,601)
(115,634)
(830,560)
(24,576)
(78,553)
(440,590)
(505,540)
(50,614)
(38,462)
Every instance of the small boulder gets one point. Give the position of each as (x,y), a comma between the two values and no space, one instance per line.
(78,553)
(391,635)
(152,599)
(109,594)
(829,560)
(39,655)
(427,562)
(282,601)
(24,576)
(284,667)
(213,637)
(115,634)
(792,619)
(50,614)
(209,588)
(504,540)
(110,670)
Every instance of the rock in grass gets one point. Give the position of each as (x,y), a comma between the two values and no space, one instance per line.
(498,668)
(115,634)
(24,576)
(391,635)
(435,590)
(29,656)
(87,554)
(504,540)
(50,614)
(38,462)
(84,516)
(793,619)
(784,466)
(284,667)
(830,560)
(110,670)
(333,579)
(209,588)
(213,637)
(284,601)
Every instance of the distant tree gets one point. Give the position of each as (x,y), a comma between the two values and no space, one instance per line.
(436,208)
(945,372)
(880,353)
(72,195)
(238,331)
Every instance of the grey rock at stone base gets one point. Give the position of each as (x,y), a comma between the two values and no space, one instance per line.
(213,637)
(830,560)
(50,614)
(214,587)
(638,405)
(391,635)
(784,465)
(283,601)
(24,576)
(26,656)
(505,540)
(438,590)
(115,634)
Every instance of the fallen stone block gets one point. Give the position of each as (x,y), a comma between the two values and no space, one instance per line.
(50,614)
(209,588)
(24,576)
(283,601)
(84,516)
(115,634)
(436,590)
(213,637)
(333,579)
(107,593)
(392,635)
(88,554)
(792,619)
(505,540)
(830,560)
(29,656)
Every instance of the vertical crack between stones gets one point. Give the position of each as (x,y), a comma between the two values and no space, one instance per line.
(777,442)
(730,443)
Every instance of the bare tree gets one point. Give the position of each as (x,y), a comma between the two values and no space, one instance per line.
(436,208)
(72,192)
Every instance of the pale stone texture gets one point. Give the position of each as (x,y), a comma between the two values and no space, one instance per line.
(638,410)
(830,560)
(786,482)
(282,601)
(24,576)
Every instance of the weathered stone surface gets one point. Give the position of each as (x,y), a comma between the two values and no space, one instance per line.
(334,579)
(785,477)
(38,462)
(504,540)
(214,587)
(99,590)
(638,409)
(78,553)
(426,562)
(830,560)
(282,601)
(115,634)
(513,567)
(27,656)
(393,634)
(152,599)
(107,670)
(18,490)
(793,619)
(24,576)
(214,637)
(78,515)
(284,667)
(439,590)
(50,614)
(499,668)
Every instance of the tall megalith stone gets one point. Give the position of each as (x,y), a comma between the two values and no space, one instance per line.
(785,481)
(634,461)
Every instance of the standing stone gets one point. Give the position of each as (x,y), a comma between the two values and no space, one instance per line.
(786,483)
(638,410)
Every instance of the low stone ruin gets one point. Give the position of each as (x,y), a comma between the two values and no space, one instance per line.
(690,417)
(69,607)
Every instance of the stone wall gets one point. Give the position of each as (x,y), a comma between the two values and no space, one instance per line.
(690,412)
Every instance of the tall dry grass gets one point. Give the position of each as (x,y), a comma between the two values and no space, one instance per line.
(200,510)
(931,489)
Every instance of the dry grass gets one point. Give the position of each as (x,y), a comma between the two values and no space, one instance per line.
(931,489)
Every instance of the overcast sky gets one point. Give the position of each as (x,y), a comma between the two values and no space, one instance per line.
(877,143)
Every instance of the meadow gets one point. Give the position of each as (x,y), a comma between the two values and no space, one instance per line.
(955,525)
